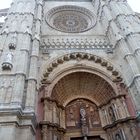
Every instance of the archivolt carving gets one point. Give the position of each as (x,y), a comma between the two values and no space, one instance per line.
(82,56)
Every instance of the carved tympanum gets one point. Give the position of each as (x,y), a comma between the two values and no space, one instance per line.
(80,109)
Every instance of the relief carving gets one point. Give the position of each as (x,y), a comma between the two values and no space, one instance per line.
(82,113)
(6,88)
(84,43)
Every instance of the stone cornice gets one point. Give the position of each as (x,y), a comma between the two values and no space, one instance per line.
(21,13)
(49,99)
(29,117)
(52,125)
(3,12)
(116,0)
(116,97)
(119,121)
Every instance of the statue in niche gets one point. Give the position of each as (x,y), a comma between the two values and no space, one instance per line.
(7,64)
(9,57)
(118,137)
(84,127)
(82,113)
(111,114)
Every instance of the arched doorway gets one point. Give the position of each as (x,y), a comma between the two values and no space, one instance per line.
(83,106)
(88,90)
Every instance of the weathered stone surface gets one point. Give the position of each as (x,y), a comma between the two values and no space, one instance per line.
(69,69)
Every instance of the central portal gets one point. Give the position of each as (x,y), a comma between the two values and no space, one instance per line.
(73,110)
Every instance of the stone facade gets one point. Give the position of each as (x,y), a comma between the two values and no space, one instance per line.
(70,70)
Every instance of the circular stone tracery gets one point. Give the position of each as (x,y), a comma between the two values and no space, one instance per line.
(71,19)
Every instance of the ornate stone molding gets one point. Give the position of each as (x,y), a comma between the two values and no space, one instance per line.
(23,119)
(119,121)
(49,99)
(82,56)
(53,125)
(3,12)
(74,43)
(70,19)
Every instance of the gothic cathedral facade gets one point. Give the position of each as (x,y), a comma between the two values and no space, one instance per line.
(70,70)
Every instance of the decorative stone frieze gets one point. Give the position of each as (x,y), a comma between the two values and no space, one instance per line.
(75,43)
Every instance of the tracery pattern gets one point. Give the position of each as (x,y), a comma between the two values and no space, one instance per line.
(71,19)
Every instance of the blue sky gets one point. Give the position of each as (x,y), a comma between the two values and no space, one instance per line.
(135,4)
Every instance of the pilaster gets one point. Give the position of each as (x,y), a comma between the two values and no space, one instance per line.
(33,69)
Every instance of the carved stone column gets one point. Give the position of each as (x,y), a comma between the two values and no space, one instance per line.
(62,118)
(48,111)
(102,117)
(54,115)
(120,109)
(45,133)
(124,106)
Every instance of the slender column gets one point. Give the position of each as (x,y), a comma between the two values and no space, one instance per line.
(107,115)
(63,118)
(120,109)
(48,111)
(103,117)
(54,112)
(45,133)
(32,80)
(60,118)
(116,109)
(124,107)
